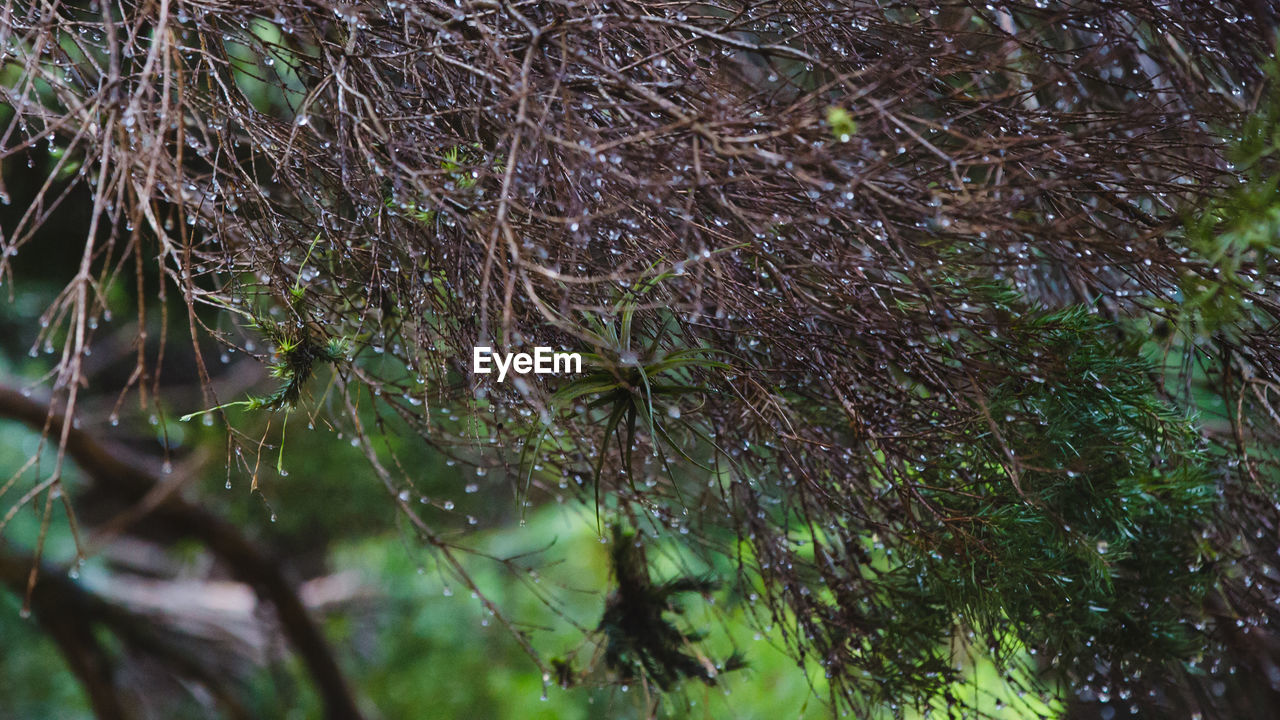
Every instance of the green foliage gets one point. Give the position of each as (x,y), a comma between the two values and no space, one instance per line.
(1062,517)
(626,378)
(299,350)
(1071,514)
(458,162)
(842,124)
(1023,482)
(1234,242)
(300,353)
(455,162)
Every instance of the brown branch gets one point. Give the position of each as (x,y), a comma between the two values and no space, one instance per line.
(247,562)
(67,614)
(70,614)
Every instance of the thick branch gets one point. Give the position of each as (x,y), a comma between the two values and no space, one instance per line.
(246,561)
(67,614)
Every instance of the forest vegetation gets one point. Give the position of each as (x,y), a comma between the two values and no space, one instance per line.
(928,358)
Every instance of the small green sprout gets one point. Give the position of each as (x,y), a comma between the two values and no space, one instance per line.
(298,358)
(842,124)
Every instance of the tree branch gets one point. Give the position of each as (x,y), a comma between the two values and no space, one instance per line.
(245,560)
(66,613)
